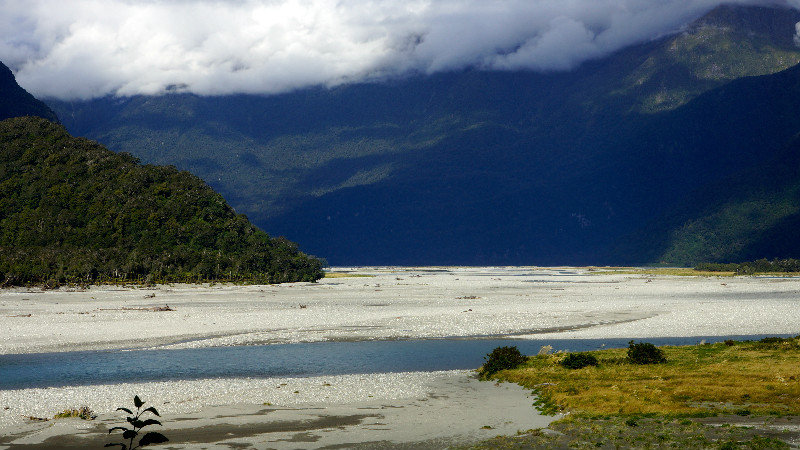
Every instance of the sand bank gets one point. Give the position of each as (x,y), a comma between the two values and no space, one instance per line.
(426,410)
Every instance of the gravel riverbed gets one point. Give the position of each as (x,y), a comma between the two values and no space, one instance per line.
(387,303)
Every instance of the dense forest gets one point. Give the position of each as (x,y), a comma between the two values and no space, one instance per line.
(753,267)
(72,211)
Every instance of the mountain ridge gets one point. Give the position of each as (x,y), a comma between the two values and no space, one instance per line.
(15,101)
(476,167)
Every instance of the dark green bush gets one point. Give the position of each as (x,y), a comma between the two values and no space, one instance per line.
(502,358)
(753,267)
(717,267)
(774,340)
(645,353)
(578,361)
(778,343)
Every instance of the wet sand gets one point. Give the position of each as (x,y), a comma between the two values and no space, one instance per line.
(428,411)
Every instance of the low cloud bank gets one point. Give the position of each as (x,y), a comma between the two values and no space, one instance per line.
(90,48)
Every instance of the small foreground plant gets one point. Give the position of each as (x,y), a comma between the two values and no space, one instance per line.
(645,353)
(502,358)
(578,360)
(136,426)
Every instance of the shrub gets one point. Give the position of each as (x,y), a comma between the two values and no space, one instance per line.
(777,343)
(83,413)
(774,340)
(502,358)
(578,360)
(645,353)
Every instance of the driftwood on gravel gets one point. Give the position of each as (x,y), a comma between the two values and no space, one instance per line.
(150,308)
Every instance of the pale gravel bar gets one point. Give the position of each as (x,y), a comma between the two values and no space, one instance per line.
(398,304)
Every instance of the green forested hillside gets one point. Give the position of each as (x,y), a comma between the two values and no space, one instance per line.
(73,211)
(752,214)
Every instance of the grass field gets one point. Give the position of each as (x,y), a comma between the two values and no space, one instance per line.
(762,377)
(743,389)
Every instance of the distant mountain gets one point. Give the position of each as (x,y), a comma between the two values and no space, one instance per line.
(489,167)
(74,212)
(752,213)
(16,102)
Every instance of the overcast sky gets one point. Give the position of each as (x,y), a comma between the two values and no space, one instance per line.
(89,48)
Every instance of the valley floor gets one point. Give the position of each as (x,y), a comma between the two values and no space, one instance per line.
(399,303)
(387,303)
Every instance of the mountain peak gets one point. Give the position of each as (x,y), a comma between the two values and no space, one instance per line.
(16,102)
(727,43)
(777,22)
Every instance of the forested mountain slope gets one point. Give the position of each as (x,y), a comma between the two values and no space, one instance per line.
(752,214)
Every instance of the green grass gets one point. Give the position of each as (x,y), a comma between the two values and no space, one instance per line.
(639,432)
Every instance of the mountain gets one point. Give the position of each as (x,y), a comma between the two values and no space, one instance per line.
(752,214)
(16,102)
(72,211)
(479,167)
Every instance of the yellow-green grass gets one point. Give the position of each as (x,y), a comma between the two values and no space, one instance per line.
(762,378)
(346,275)
(81,413)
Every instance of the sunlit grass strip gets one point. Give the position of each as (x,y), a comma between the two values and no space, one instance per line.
(743,377)
(347,275)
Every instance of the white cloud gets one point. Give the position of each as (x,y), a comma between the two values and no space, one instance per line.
(89,48)
(797,34)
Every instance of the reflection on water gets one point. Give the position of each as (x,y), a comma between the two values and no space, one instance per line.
(284,360)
